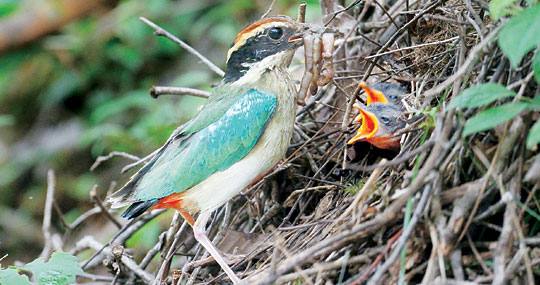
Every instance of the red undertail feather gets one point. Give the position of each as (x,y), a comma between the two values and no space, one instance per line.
(173,201)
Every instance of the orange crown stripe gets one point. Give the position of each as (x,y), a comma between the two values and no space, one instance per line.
(254,28)
(257,24)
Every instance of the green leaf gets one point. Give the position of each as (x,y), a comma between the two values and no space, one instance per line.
(536,66)
(521,34)
(535,104)
(534,136)
(497,8)
(10,276)
(480,95)
(492,117)
(7,7)
(61,269)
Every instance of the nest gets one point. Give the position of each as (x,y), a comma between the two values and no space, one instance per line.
(436,211)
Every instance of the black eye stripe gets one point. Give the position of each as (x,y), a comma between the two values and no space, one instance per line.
(255,49)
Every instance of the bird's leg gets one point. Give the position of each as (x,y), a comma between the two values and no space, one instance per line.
(316,68)
(308,73)
(318,52)
(199,231)
(327,54)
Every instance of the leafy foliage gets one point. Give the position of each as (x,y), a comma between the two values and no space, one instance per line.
(492,117)
(521,34)
(60,269)
(480,95)
(499,8)
(485,94)
(536,66)
(8,6)
(11,276)
(534,136)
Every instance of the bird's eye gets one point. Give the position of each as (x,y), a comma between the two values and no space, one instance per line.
(275,33)
(393,97)
(385,119)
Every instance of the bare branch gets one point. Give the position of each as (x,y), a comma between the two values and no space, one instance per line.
(156,91)
(269,9)
(104,158)
(159,31)
(95,197)
(47,214)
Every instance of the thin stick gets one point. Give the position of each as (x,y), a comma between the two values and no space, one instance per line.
(156,91)
(104,158)
(473,53)
(47,213)
(302,12)
(412,47)
(379,258)
(99,203)
(159,31)
(403,239)
(91,242)
(142,160)
(269,9)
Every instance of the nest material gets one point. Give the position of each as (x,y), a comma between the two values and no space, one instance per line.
(335,214)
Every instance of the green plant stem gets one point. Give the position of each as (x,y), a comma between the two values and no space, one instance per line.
(408,213)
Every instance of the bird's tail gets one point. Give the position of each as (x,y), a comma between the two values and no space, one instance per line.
(136,209)
(126,195)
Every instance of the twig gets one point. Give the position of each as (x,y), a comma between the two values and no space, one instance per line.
(322,267)
(61,216)
(95,197)
(79,220)
(124,233)
(142,160)
(379,258)
(412,47)
(395,36)
(386,13)
(90,242)
(478,256)
(397,160)
(172,248)
(361,195)
(161,32)
(457,267)
(301,12)
(404,237)
(95,277)
(341,11)
(104,158)
(156,91)
(269,9)
(47,214)
(153,251)
(473,53)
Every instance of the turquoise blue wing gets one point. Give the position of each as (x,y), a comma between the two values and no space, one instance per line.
(186,162)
